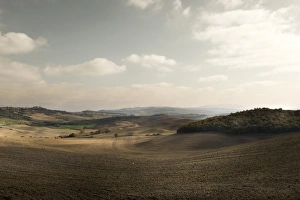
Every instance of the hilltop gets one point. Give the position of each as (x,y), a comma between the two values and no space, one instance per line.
(42,116)
(259,120)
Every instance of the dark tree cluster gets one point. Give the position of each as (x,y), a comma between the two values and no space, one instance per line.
(14,113)
(23,113)
(258,120)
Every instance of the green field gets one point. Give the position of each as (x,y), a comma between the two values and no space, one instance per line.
(76,126)
(7,121)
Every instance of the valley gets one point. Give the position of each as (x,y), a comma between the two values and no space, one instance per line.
(36,163)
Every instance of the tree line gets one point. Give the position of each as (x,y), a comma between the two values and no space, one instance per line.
(258,120)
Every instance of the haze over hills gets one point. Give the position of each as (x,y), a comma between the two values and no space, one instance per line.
(192,112)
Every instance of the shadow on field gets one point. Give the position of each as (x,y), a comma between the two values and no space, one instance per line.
(199,141)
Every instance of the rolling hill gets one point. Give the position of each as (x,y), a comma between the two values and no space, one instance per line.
(22,122)
(129,168)
(259,120)
(36,164)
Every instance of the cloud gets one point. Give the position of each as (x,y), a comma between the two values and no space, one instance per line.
(95,67)
(263,93)
(177,6)
(229,4)
(19,43)
(15,72)
(263,83)
(179,17)
(178,9)
(240,4)
(143,4)
(152,61)
(76,97)
(186,12)
(281,71)
(256,87)
(253,38)
(161,84)
(213,78)
(191,68)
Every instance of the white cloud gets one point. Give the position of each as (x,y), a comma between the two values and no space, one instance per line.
(161,84)
(177,5)
(256,87)
(152,61)
(180,16)
(178,9)
(186,12)
(213,78)
(143,4)
(229,4)
(165,69)
(16,72)
(260,83)
(95,67)
(191,68)
(263,93)
(253,38)
(19,43)
(134,58)
(280,71)
(77,97)
(238,4)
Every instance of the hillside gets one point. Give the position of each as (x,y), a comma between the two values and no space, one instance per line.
(129,168)
(259,120)
(40,116)
(133,125)
(196,113)
(25,122)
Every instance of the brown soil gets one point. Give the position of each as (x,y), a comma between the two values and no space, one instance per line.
(193,166)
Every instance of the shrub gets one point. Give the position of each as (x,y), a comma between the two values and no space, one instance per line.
(72,135)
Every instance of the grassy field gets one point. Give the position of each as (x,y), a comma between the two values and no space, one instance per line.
(76,126)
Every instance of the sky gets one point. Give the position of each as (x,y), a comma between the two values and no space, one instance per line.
(107,54)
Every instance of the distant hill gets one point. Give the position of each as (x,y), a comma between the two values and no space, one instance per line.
(259,120)
(45,117)
(192,113)
(196,113)
(135,125)
(88,122)
(24,113)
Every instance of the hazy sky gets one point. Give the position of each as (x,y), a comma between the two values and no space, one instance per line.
(102,54)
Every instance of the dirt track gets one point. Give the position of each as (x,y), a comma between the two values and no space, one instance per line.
(170,167)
